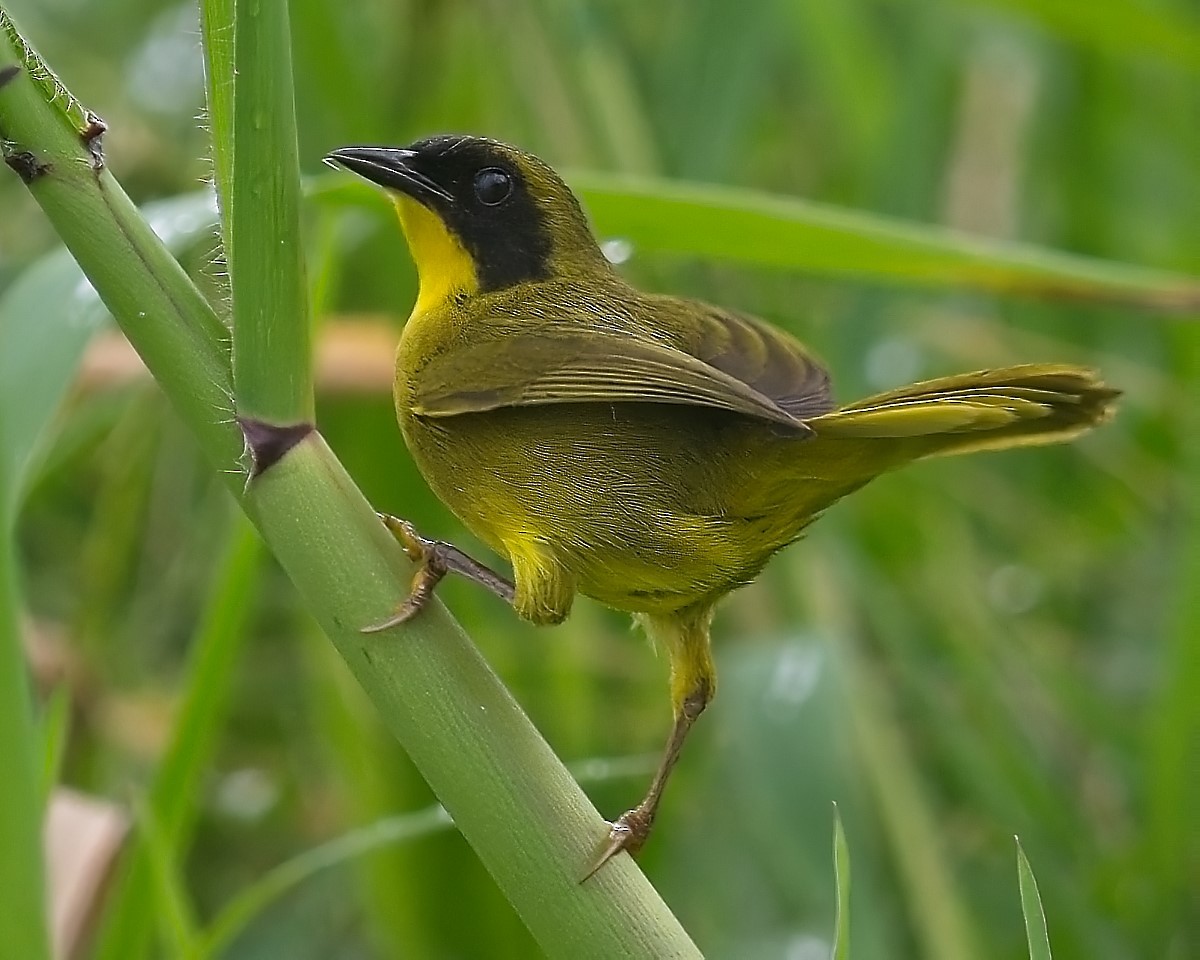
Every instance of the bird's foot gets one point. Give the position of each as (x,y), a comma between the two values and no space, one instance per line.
(628,832)
(434,559)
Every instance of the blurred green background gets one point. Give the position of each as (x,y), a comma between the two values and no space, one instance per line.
(972,649)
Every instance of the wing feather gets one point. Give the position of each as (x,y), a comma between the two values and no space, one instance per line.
(765,357)
(620,347)
(570,366)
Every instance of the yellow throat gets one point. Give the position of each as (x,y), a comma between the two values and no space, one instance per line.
(444,267)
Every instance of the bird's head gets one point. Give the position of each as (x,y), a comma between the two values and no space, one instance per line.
(479,215)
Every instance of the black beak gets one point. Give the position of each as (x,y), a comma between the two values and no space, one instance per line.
(392,168)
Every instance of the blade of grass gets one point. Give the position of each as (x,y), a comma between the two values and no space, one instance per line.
(747,226)
(46,319)
(1031,907)
(23,928)
(764,230)
(174,912)
(174,796)
(251,901)
(937,909)
(1172,730)
(841,873)
(708,143)
(604,88)
(56,729)
(847,58)
(537,74)
(940,915)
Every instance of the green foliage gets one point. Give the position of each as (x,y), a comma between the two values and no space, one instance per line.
(962,652)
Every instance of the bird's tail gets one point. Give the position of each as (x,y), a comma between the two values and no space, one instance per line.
(987,410)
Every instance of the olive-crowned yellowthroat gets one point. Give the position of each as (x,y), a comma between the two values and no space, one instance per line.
(649,451)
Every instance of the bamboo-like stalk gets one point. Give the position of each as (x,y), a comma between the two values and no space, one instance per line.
(272,356)
(515,803)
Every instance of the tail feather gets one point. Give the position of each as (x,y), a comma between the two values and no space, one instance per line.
(986,410)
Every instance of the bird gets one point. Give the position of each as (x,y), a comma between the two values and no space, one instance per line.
(650,451)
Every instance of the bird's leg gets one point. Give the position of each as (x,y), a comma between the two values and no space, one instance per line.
(434,559)
(630,830)
(693,683)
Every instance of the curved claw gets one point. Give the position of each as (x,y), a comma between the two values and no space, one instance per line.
(628,832)
(427,577)
(434,559)
(405,612)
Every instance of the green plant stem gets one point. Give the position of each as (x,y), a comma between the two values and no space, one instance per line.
(109,238)
(530,823)
(272,367)
(533,827)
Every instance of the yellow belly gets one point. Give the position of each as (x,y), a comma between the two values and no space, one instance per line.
(648,507)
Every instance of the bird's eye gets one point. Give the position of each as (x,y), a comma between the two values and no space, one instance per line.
(492,186)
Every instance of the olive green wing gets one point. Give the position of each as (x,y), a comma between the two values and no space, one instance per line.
(765,358)
(563,363)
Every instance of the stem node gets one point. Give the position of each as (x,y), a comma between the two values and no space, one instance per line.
(269,443)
